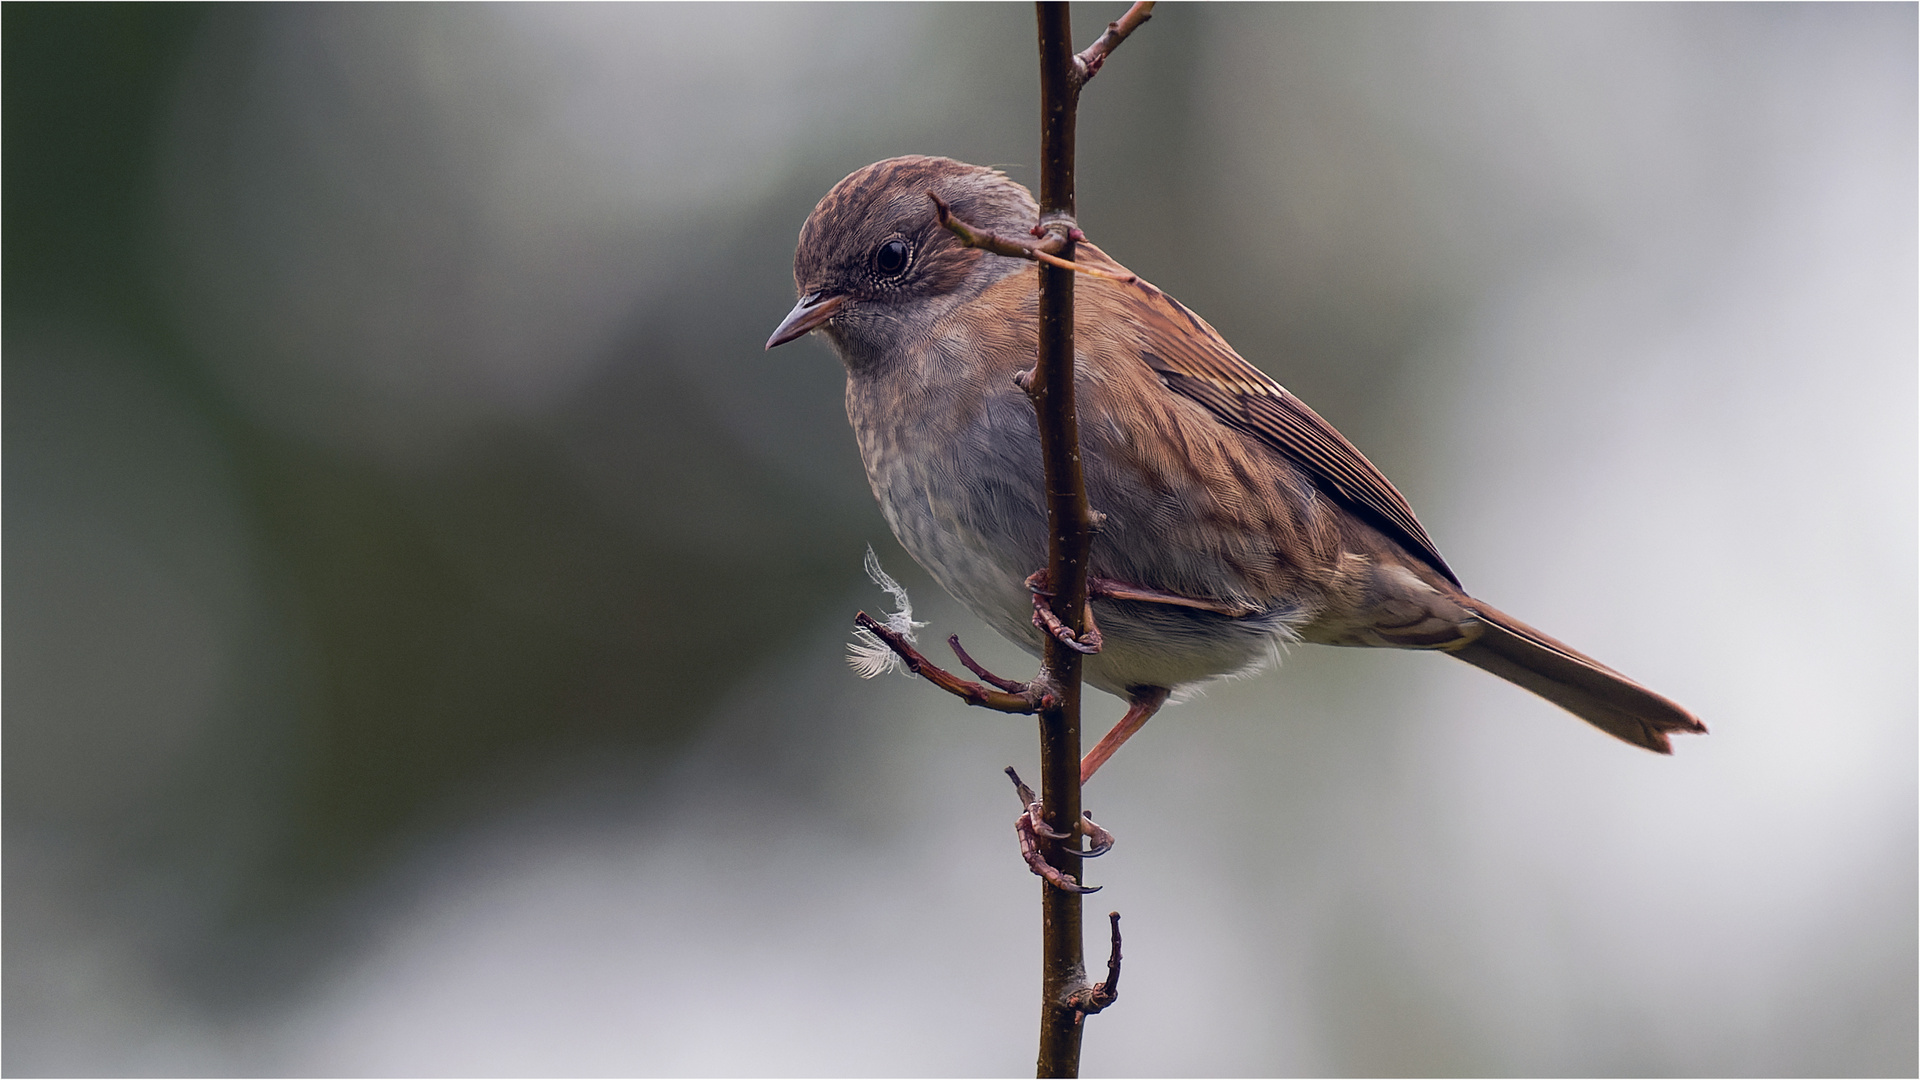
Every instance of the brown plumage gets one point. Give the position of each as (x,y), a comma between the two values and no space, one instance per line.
(1236,517)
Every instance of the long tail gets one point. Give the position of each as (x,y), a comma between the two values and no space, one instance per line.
(1577,683)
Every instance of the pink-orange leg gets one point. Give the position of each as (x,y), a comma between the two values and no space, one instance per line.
(1142,703)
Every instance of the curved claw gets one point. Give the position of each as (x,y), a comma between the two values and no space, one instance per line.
(1102,839)
(1043,617)
(1028,828)
(1059,880)
(1032,825)
(1040,827)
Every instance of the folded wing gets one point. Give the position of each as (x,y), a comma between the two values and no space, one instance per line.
(1194,361)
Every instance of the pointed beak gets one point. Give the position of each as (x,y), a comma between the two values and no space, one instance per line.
(812,310)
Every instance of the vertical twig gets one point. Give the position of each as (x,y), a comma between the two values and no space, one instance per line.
(1069,541)
(1066,996)
(1070,525)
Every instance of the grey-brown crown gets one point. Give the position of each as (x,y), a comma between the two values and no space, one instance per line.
(841,244)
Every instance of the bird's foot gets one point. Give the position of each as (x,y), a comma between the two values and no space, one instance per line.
(1040,585)
(1032,826)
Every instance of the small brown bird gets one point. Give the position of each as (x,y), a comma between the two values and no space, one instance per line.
(1236,518)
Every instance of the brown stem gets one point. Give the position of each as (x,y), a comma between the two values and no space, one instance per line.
(1028,698)
(1009,685)
(1070,540)
(1066,998)
(1088,62)
(1106,992)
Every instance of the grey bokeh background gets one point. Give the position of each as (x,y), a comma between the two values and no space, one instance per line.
(425,600)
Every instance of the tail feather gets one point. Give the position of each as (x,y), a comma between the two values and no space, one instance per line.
(1578,683)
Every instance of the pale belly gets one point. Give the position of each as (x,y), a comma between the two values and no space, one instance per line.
(979,528)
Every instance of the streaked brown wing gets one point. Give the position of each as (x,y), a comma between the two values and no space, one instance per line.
(1194,361)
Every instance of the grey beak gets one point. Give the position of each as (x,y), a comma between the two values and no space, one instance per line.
(812,310)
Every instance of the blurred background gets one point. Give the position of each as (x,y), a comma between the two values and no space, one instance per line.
(426,603)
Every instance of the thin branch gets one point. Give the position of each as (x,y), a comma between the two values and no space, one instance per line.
(1104,993)
(1010,685)
(1015,249)
(1088,63)
(1013,697)
(1069,545)
(1052,825)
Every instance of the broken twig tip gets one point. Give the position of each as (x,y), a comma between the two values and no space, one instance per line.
(1020,787)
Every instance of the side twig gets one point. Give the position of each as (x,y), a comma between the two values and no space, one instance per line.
(1106,992)
(1010,685)
(1010,697)
(1000,245)
(1088,63)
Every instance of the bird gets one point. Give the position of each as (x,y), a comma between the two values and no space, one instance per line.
(1234,519)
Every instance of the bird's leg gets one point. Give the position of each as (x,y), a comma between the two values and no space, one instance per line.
(1099,588)
(1142,703)
(1040,585)
(1031,826)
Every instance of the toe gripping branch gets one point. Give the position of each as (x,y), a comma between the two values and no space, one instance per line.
(1032,826)
(1011,696)
(1039,583)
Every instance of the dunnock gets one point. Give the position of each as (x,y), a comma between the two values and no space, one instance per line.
(1235,517)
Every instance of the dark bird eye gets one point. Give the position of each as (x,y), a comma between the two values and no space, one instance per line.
(891,258)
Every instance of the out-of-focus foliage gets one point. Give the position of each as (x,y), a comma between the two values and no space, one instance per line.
(424,599)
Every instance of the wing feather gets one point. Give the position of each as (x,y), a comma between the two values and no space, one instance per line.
(1195,362)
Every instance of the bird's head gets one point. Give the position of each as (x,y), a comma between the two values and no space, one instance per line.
(874,260)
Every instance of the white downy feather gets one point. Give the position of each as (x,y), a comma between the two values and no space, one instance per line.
(867,655)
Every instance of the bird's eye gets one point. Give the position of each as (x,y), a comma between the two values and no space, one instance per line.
(891,258)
